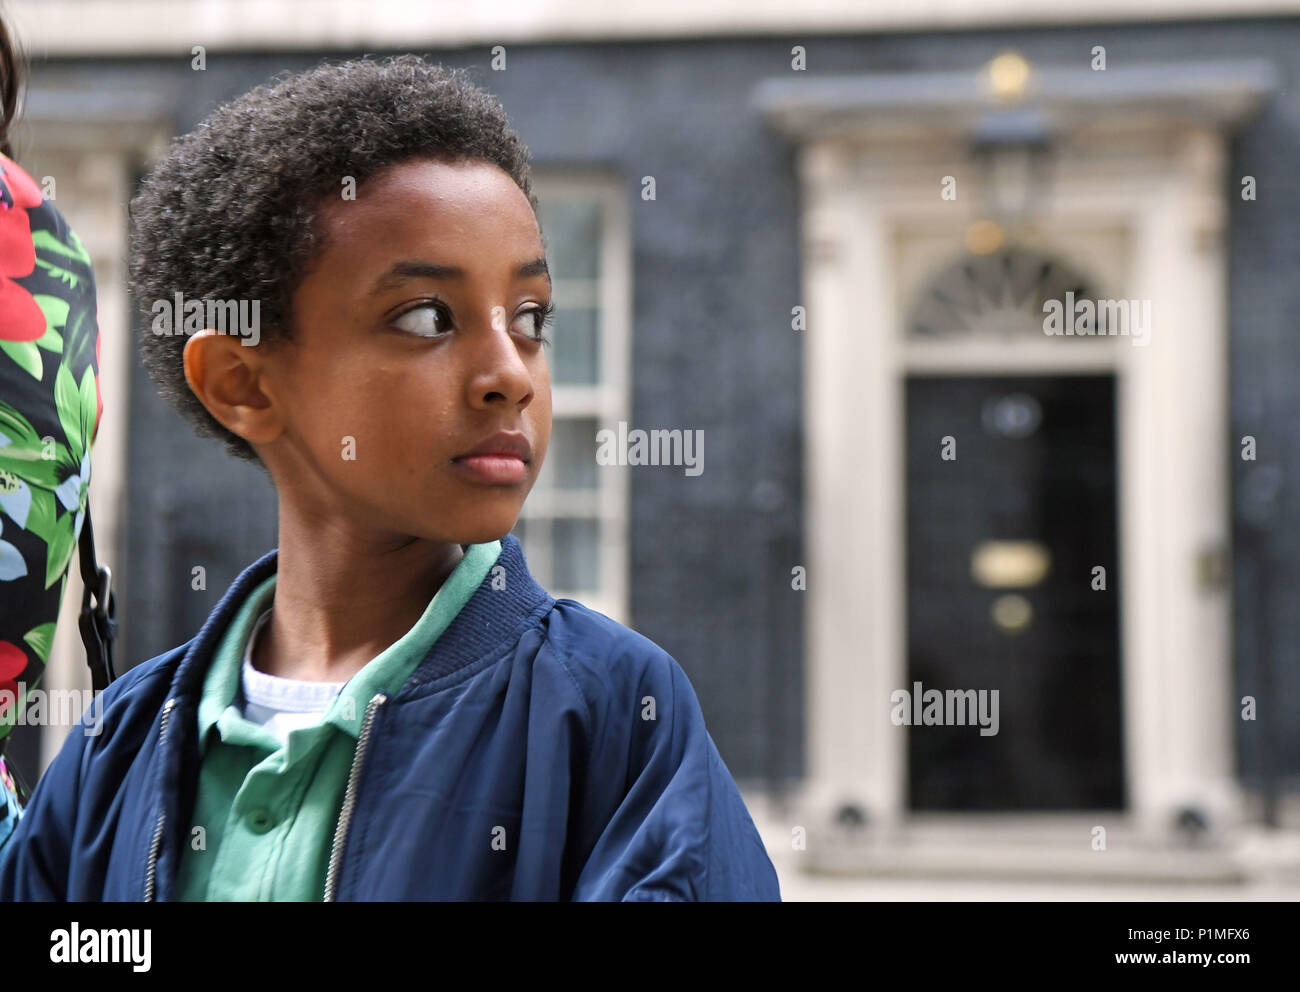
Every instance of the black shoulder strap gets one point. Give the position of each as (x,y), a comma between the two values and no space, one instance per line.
(97,623)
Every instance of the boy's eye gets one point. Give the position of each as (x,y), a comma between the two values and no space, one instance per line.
(424,321)
(536,320)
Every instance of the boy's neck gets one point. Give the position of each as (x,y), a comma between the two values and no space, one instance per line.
(339,602)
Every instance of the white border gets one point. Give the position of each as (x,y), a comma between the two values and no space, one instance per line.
(610,400)
(1173,452)
(134,27)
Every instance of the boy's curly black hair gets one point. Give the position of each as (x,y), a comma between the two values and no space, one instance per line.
(228,214)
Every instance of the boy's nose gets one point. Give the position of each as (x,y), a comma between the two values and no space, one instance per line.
(499,369)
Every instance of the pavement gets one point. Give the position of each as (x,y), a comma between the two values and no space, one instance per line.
(1266,867)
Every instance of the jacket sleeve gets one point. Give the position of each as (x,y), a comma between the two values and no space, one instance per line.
(12,811)
(34,862)
(679,830)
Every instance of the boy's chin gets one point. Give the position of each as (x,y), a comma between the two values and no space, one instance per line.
(486,531)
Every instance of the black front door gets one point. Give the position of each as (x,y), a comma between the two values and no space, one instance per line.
(1011,509)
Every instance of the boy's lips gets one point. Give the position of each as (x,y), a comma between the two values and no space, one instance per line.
(506,444)
(501,459)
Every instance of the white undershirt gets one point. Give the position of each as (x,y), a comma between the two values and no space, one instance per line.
(282,705)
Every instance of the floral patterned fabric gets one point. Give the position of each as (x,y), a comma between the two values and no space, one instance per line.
(50,408)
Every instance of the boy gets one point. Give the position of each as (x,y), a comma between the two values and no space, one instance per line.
(388,706)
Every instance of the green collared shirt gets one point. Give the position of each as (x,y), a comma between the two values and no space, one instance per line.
(265,814)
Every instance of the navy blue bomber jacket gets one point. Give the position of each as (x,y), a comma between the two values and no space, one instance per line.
(548,701)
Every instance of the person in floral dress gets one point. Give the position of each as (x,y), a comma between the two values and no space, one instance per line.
(50,408)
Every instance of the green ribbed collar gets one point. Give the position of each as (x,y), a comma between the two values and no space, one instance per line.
(386,672)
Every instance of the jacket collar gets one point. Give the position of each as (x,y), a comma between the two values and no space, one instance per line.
(505,598)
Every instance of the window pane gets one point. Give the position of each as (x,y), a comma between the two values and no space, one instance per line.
(571,235)
(575,348)
(535,541)
(571,457)
(577,555)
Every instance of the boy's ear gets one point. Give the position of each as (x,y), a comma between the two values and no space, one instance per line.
(226,377)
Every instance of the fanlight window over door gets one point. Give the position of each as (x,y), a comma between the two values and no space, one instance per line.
(1002,295)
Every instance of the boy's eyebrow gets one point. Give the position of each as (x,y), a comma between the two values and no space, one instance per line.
(401,271)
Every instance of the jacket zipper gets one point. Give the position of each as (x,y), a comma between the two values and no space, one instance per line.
(350,799)
(162,813)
